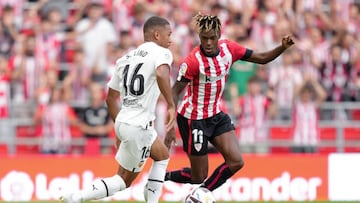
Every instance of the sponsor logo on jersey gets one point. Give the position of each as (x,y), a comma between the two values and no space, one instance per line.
(131,102)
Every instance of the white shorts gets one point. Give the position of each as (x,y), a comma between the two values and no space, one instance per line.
(135,145)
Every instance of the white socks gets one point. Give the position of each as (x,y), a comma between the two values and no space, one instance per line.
(109,186)
(103,188)
(156,180)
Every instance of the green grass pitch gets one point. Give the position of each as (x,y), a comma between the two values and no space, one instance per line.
(217,202)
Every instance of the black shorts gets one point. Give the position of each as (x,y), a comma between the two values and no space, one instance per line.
(195,134)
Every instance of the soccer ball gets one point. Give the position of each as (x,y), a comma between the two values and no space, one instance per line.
(200,195)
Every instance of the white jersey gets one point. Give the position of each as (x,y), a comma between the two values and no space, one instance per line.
(135,78)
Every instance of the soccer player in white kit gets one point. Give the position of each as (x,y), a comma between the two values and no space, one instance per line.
(139,78)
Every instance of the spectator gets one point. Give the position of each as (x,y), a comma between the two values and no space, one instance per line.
(4,88)
(240,71)
(126,42)
(8,31)
(79,78)
(305,116)
(255,109)
(96,35)
(97,117)
(335,76)
(17,7)
(138,19)
(284,81)
(55,119)
(48,46)
(48,81)
(25,72)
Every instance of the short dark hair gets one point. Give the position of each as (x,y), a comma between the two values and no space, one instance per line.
(153,22)
(8,8)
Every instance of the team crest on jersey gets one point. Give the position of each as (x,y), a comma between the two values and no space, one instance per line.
(198,146)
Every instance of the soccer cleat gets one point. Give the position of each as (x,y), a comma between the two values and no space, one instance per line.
(70,198)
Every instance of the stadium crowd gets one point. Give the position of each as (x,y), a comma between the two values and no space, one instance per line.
(56,57)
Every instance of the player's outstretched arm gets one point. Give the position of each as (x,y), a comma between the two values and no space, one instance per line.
(163,80)
(266,57)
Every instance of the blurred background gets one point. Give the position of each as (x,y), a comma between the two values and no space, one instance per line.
(291,115)
(56,57)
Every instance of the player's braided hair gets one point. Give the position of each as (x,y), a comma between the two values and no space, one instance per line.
(206,23)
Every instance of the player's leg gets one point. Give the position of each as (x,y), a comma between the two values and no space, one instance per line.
(195,145)
(107,186)
(160,155)
(225,141)
(102,188)
(131,160)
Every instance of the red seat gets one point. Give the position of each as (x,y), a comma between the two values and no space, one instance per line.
(75,132)
(352,149)
(3,149)
(92,146)
(280,133)
(280,150)
(352,133)
(355,114)
(327,133)
(326,150)
(26,132)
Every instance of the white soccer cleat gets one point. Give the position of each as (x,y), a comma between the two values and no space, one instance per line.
(70,198)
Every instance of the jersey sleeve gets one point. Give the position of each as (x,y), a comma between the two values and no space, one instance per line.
(237,51)
(188,69)
(164,57)
(114,82)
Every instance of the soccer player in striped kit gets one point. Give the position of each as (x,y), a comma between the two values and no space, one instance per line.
(200,120)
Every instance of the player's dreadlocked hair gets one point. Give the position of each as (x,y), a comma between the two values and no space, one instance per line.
(206,23)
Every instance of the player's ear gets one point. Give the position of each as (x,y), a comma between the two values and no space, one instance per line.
(156,34)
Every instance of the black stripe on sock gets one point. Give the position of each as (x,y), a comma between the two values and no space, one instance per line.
(160,181)
(106,187)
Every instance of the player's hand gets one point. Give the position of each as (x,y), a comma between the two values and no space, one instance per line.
(170,119)
(287,41)
(170,138)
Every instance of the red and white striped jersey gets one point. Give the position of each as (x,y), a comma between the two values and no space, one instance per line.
(284,80)
(305,123)
(4,95)
(252,118)
(207,76)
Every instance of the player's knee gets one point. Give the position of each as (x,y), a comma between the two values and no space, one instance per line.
(236,165)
